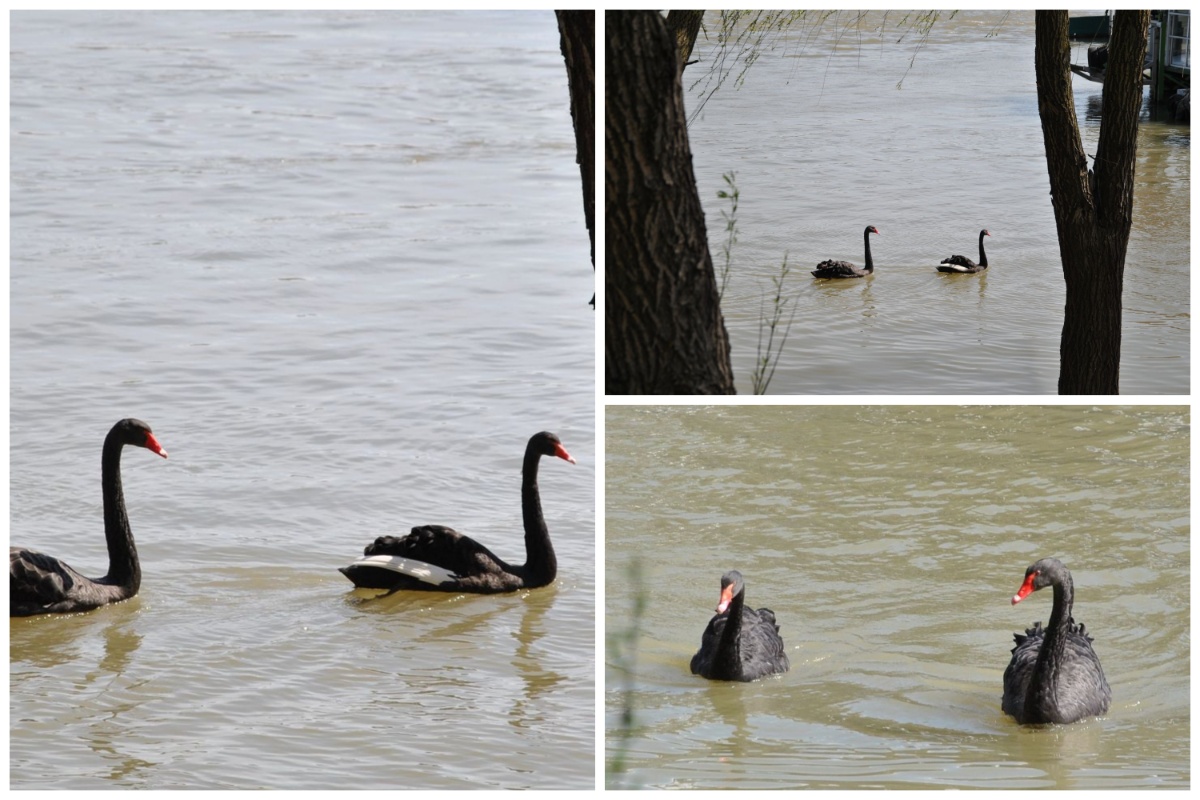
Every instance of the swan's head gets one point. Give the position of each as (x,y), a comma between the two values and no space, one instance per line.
(874,230)
(984,232)
(1040,575)
(137,433)
(548,444)
(731,586)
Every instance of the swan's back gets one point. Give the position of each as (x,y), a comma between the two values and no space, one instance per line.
(435,558)
(959,264)
(760,647)
(1076,689)
(42,584)
(838,269)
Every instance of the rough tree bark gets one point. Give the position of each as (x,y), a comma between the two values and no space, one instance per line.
(664,333)
(577,39)
(1093,209)
(685,26)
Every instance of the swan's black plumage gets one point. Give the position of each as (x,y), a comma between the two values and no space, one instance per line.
(739,644)
(844,269)
(41,584)
(964,264)
(437,558)
(1054,674)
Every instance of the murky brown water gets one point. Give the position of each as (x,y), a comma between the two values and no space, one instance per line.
(824,144)
(888,541)
(337,260)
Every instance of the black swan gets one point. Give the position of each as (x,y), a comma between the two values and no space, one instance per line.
(1054,675)
(41,584)
(739,644)
(438,558)
(964,264)
(844,269)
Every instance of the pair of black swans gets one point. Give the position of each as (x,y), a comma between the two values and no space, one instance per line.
(1054,674)
(844,269)
(431,557)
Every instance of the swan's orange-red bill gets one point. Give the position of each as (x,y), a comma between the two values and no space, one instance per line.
(562,453)
(153,445)
(726,599)
(1026,588)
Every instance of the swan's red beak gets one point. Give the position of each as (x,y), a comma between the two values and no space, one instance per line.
(153,445)
(726,599)
(1026,588)
(562,453)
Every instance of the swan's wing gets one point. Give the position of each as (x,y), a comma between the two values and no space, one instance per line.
(759,648)
(828,269)
(422,571)
(702,661)
(762,649)
(432,554)
(1020,670)
(1082,688)
(958,261)
(38,580)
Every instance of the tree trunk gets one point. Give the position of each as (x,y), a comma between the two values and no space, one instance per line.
(664,333)
(577,39)
(685,26)
(1093,209)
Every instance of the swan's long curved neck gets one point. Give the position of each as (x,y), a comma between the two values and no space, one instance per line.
(1064,600)
(729,658)
(123,568)
(540,562)
(1054,645)
(982,255)
(870,265)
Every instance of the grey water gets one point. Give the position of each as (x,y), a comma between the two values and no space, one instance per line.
(854,122)
(888,540)
(338,262)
